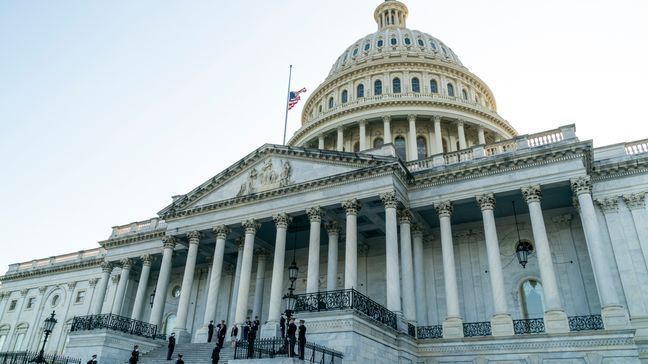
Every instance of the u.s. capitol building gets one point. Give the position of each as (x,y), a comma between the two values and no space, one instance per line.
(426,229)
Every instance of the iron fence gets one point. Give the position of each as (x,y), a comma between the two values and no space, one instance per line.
(471,329)
(278,347)
(528,326)
(429,332)
(24,357)
(411,330)
(114,322)
(345,299)
(581,323)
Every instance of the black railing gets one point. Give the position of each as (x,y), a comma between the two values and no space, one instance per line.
(24,357)
(528,326)
(471,329)
(429,332)
(411,330)
(277,347)
(343,300)
(581,323)
(114,322)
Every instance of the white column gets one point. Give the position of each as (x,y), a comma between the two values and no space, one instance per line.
(97,302)
(412,154)
(140,296)
(340,139)
(163,281)
(185,292)
(352,208)
(613,313)
(315,215)
(121,286)
(333,230)
(481,136)
(320,141)
(462,135)
(276,289)
(237,280)
(250,226)
(392,272)
(453,324)
(438,140)
(363,134)
(554,317)
(387,129)
(221,232)
(419,275)
(407,265)
(260,283)
(501,321)
(92,287)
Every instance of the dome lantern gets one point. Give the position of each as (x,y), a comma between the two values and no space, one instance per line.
(391,14)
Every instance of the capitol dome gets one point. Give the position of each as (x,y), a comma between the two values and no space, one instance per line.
(404,87)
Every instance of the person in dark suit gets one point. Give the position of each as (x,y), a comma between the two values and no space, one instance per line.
(134,355)
(282,326)
(257,322)
(210,331)
(93,360)
(171,345)
(215,355)
(246,328)
(250,340)
(301,338)
(221,333)
(179,361)
(292,330)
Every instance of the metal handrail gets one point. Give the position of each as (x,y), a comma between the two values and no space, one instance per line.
(277,347)
(114,322)
(15,357)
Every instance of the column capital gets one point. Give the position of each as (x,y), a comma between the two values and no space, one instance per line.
(352,206)
(93,282)
(146,259)
(436,118)
(168,242)
(315,214)
(332,227)
(362,122)
(444,209)
(417,230)
(115,279)
(635,201)
(562,220)
(23,292)
(106,267)
(405,216)
(386,118)
(411,117)
(459,123)
(42,289)
(239,244)
(486,201)
(581,185)
(221,231)
(261,253)
(228,269)
(126,263)
(282,220)
(575,203)
(251,226)
(194,237)
(71,285)
(532,193)
(389,200)
(609,204)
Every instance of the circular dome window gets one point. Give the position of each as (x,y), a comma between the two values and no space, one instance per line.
(175,292)
(55,300)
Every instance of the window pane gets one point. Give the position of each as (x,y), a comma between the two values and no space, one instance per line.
(450,90)
(421,43)
(360,92)
(378,142)
(532,299)
(379,43)
(421,147)
(345,96)
(399,143)
(416,86)
(434,87)
(394,41)
(378,87)
(397,85)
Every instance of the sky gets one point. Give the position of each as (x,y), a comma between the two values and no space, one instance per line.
(108,108)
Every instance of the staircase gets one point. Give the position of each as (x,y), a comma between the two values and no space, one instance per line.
(191,354)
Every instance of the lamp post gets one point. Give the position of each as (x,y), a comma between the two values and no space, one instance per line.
(47,329)
(290,298)
(523,247)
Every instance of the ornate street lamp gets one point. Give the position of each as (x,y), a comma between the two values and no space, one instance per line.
(523,248)
(48,327)
(290,298)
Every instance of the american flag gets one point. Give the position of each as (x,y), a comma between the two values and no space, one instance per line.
(293,98)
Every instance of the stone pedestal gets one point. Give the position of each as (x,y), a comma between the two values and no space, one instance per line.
(502,325)
(202,334)
(556,322)
(453,328)
(270,329)
(615,317)
(182,336)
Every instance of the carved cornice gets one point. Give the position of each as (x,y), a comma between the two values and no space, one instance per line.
(92,263)
(389,200)
(608,205)
(315,214)
(631,166)
(352,207)
(581,185)
(532,194)
(635,201)
(221,231)
(113,243)
(194,237)
(332,227)
(405,216)
(486,201)
(443,209)
(282,220)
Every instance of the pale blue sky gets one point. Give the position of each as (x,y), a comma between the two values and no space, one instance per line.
(109,108)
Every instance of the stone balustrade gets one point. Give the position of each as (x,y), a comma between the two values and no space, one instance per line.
(137,227)
(55,260)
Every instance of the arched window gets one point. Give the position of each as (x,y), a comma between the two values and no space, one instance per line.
(532,299)
(169,324)
(378,142)
(360,91)
(401,148)
(378,87)
(367,46)
(416,85)
(355,52)
(345,97)
(445,145)
(320,108)
(396,85)
(434,86)
(464,93)
(421,147)
(408,41)
(433,45)
(394,41)
(356,147)
(330,104)
(379,43)
(450,90)
(421,43)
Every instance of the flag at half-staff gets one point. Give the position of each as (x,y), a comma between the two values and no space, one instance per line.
(293,98)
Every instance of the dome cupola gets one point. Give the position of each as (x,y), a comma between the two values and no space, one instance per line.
(391,14)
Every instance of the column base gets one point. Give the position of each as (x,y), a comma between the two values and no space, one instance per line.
(453,328)
(203,333)
(182,336)
(615,317)
(270,329)
(556,322)
(502,325)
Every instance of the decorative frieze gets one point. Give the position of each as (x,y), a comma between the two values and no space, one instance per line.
(581,185)
(389,200)
(315,214)
(608,204)
(282,220)
(532,193)
(221,231)
(405,216)
(352,206)
(635,201)
(444,209)
(486,201)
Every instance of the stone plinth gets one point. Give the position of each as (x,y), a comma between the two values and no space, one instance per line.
(111,347)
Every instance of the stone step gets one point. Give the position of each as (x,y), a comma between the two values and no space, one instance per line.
(191,354)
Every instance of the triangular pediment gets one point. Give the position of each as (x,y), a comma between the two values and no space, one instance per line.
(274,167)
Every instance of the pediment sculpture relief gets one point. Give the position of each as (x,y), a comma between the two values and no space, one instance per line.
(268,178)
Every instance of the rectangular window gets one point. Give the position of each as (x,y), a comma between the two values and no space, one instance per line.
(30,302)
(12,305)
(80,296)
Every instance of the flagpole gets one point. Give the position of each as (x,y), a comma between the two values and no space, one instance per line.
(287,99)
